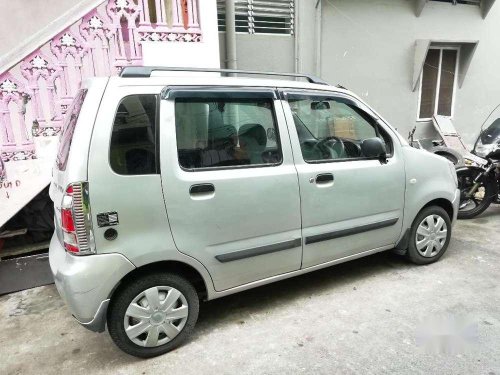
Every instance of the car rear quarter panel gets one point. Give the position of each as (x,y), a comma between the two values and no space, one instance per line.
(144,235)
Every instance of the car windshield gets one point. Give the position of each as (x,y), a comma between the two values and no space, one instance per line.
(492,133)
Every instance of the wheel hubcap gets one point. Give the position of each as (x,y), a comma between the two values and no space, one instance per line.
(431,236)
(155,316)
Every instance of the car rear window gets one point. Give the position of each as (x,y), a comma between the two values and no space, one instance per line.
(133,142)
(68,129)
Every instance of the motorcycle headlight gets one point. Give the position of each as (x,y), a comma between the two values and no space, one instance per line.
(483,150)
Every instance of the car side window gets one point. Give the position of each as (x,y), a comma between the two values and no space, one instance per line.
(226,132)
(331,128)
(133,143)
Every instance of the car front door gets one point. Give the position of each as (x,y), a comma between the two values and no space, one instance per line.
(350,203)
(230,184)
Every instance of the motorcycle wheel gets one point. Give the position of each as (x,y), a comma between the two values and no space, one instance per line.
(480,201)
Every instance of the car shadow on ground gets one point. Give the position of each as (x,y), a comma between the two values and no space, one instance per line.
(237,307)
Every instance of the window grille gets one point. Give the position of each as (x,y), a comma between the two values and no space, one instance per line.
(260,16)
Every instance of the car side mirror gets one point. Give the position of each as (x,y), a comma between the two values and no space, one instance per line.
(374,148)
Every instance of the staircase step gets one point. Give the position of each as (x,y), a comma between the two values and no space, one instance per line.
(24,273)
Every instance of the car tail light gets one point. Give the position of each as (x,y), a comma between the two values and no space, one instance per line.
(76,221)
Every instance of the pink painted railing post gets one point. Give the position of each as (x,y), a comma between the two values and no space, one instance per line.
(34,68)
(162,19)
(145,20)
(5,125)
(177,14)
(193,14)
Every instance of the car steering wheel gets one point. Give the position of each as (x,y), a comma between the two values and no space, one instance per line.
(338,147)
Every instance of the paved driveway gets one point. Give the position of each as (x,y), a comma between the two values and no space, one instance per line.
(379,314)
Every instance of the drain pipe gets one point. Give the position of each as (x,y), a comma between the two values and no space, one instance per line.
(296,41)
(231,61)
(318,37)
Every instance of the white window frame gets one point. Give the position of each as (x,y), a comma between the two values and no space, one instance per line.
(438,83)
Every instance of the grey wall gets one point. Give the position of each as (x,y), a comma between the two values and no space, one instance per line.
(262,52)
(368,46)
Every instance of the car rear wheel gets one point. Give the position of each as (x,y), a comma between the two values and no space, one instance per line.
(153,314)
(429,235)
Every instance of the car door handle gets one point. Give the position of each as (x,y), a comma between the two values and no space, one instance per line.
(199,190)
(324,179)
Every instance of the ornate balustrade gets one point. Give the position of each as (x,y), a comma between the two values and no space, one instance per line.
(35,93)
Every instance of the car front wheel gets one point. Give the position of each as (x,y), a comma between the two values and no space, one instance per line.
(153,314)
(429,235)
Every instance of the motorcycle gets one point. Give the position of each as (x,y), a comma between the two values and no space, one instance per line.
(479,180)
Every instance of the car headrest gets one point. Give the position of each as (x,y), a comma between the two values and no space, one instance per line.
(255,132)
(221,136)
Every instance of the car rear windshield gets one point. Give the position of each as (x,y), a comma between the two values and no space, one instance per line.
(68,129)
(492,134)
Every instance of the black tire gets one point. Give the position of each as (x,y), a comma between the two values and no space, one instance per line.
(122,299)
(39,217)
(413,254)
(465,176)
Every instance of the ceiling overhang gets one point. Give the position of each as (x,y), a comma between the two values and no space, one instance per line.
(485,7)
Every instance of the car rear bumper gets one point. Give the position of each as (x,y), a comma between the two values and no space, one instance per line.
(85,283)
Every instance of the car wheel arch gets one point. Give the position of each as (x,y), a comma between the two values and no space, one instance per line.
(185,270)
(445,204)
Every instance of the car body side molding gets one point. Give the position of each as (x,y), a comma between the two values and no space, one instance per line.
(350,231)
(261,250)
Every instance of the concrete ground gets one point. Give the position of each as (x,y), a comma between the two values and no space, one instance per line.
(379,314)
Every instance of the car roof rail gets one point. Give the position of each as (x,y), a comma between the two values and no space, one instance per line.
(145,71)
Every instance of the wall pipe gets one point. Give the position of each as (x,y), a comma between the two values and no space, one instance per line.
(231,60)
(296,41)
(319,20)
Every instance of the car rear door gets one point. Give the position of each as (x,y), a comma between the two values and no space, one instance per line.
(350,204)
(229,181)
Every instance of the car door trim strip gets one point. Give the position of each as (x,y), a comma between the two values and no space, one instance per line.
(261,250)
(350,231)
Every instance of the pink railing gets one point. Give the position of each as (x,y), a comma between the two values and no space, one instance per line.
(35,93)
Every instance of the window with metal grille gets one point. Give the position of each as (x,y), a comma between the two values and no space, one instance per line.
(259,16)
(455,2)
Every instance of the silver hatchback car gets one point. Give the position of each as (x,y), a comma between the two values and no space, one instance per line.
(170,189)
